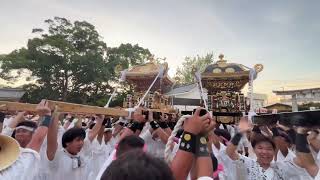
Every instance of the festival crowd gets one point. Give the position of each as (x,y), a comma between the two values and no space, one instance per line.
(49,145)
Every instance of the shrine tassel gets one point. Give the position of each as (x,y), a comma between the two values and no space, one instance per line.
(198,79)
(252,77)
(168,151)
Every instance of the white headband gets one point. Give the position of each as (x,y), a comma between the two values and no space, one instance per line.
(108,129)
(26,128)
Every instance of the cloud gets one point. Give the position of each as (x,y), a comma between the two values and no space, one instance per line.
(282,35)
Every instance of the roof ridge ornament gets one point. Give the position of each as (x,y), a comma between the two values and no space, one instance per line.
(151,59)
(221,61)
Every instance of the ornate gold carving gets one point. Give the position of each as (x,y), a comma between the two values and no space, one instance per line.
(216,70)
(230,70)
(258,67)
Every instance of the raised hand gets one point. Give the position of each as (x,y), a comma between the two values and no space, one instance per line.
(100,118)
(138,116)
(43,108)
(244,125)
(198,124)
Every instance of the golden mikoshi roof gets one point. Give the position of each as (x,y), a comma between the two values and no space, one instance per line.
(222,69)
(227,76)
(147,72)
(149,68)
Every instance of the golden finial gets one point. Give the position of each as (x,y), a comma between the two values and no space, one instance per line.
(258,67)
(221,56)
(151,59)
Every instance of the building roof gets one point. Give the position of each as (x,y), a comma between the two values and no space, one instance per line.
(181,90)
(278,104)
(11,94)
(297,91)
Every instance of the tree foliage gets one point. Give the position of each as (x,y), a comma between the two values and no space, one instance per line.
(184,74)
(306,106)
(69,62)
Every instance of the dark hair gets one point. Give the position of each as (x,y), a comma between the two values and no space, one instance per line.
(83,124)
(129,143)
(72,134)
(106,121)
(261,138)
(91,125)
(25,123)
(222,132)
(136,165)
(292,134)
(285,136)
(214,162)
(30,124)
(256,129)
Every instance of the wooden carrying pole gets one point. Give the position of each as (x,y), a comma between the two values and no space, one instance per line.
(64,107)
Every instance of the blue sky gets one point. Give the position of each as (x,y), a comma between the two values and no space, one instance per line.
(282,35)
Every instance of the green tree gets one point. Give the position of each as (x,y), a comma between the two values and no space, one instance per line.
(306,106)
(125,56)
(184,74)
(69,62)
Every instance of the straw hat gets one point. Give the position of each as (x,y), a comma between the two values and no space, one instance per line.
(9,151)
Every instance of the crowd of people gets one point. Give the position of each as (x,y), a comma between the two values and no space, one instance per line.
(49,145)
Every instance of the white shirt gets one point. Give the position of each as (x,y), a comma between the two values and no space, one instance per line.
(67,166)
(318,176)
(290,156)
(25,168)
(7,131)
(217,151)
(249,169)
(44,171)
(155,147)
(6,122)
(106,164)
(230,129)
(318,159)
(100,152)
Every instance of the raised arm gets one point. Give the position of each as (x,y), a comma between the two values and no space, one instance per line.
(68,121)
(78,124)
(304,157)
(52,136)
(16,120)
(157,130)
(232,147)
(186,155)
(45,120)
(204,166)
(136,125)
(164,125)
(96,128)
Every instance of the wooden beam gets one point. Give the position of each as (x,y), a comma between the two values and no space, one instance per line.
(64,107)
(85,109)
(72,108)
(15,106)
